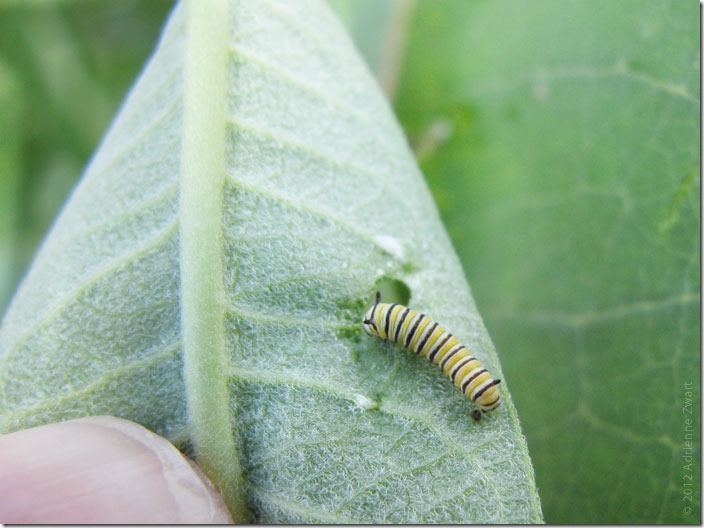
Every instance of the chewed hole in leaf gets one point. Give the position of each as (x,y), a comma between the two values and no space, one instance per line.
(393,290)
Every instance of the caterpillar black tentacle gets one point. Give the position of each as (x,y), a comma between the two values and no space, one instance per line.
(425,337)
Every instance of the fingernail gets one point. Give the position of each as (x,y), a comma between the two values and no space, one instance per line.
(101,470)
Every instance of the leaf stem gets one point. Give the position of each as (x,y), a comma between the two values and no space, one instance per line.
(201,238)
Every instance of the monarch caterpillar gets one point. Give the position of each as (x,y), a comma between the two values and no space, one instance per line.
(425,337)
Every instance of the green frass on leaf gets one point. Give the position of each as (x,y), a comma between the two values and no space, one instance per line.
(561,141)
(208,276)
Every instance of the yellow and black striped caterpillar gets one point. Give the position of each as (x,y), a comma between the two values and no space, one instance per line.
(425,337)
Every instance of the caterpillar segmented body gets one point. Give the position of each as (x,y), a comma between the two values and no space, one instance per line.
(425,337)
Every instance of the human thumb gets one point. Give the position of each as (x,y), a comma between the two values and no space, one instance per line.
(101,470)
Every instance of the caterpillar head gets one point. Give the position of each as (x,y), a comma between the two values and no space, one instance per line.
(369,325)
(368,321)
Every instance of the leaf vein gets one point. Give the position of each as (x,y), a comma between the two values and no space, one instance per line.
(584,319)
(107,376)
(128,147)
(296,380)
(88,281)
(292,79)
(318,212)
(301,510)
(313,321)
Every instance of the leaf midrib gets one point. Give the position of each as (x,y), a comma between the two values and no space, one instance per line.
(201,235)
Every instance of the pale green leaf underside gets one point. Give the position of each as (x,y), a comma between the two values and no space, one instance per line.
(148,303)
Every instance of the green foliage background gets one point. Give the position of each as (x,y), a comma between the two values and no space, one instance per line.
(561,141)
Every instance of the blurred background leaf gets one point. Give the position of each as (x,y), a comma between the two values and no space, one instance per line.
(561,142)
